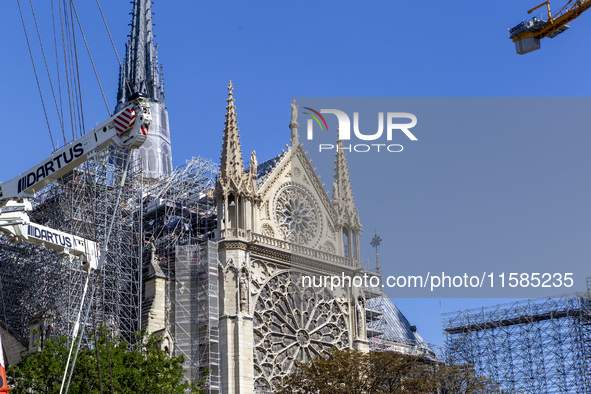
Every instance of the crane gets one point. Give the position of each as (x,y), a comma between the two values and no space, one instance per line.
(527,34)
(128,128)
(121,129)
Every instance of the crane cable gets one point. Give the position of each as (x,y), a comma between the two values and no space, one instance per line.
(88,182)
(75,103)
(77,75)
(36,76)
(47,68)
(72,58)
(66,67)
(60,110)
(91,60)
(114,48)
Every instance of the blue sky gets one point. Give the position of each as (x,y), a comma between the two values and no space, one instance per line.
(273,51)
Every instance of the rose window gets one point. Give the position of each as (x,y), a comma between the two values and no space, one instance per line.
(291,323)
(297,216)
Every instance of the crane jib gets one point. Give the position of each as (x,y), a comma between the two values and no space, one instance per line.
(49,167)
(55,237)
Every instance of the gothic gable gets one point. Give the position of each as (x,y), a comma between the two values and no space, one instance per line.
(295,206)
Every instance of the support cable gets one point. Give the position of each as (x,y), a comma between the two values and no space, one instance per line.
(57,65)
(87,184)
(46,66)
(92,198)
(77,75)
(114,48)
(75,114)
(35,70)
(75,333)
(91,60)
(66,66)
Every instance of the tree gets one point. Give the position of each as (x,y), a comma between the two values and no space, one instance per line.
(124,368)
(393,372)
(462,379)
(342,371)
(351,371)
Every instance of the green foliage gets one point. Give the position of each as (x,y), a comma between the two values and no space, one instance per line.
(141,368)
(354,372)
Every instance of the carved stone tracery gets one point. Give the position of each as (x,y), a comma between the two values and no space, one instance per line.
(297,215)
(292,323)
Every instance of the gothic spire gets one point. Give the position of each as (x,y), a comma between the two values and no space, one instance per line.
(231,162)
(141,72)
(342,193)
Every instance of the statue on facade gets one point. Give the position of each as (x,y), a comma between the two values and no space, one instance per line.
(335,190)
(253,163)
(243,292)
(360,307)
(294,112)
(154,257)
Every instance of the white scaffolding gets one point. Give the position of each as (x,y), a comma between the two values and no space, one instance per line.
(197,313)
(38,283)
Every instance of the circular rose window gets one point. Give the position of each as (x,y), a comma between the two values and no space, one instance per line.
(291,323)
(297,215)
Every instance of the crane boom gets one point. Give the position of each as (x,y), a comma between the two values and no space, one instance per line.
(15,223)
(127,128)
(527,34)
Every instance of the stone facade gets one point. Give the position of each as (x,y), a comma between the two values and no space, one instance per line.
(15,348)
(274,227)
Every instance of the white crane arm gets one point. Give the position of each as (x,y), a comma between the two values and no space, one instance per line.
(14,222)
(127,128)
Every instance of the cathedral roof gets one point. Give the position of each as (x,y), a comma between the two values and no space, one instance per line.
(394,324)
(265,168)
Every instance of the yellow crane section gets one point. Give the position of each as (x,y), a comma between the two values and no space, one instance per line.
(527,34)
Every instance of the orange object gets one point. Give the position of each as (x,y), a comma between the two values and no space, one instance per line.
(3,384)
(4,388)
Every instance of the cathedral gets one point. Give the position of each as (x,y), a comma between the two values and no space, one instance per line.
(276,223)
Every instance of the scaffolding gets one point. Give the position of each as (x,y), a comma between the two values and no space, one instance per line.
(388,329)
(38,284)
(197,313)
(179,217)
(532,346)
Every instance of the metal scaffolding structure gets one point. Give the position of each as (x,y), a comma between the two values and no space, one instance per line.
(179,217)
(388,329)
(197,313)
(38,284)
(533,346)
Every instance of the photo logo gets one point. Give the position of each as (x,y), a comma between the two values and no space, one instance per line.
(316,118)
(395,122)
